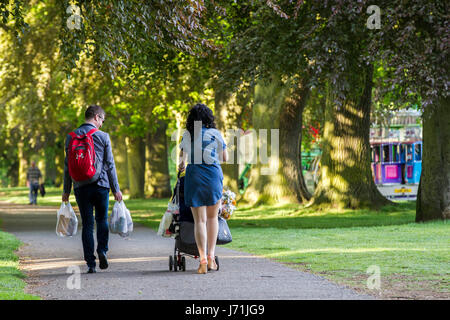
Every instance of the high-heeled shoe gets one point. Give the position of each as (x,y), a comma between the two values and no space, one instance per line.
(212,264)
(203,267)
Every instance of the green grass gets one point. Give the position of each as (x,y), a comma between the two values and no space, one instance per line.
(11,279)
(339,245)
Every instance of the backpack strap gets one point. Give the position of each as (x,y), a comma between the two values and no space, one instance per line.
(72,134)
(92,131)
(89,133)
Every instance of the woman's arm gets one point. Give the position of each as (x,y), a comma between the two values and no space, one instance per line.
(225,155)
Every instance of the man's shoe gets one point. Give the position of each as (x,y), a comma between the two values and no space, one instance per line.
(91,270)
(103,261)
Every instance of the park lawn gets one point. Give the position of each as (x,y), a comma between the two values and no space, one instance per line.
(11,279)
(338,245)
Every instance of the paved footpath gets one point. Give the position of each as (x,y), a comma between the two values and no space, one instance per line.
(139,268)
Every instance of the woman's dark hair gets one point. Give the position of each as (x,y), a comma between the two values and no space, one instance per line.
(200,112)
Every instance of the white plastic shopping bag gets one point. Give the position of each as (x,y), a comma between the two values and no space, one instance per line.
(66,221)
(120,221)
(166,220)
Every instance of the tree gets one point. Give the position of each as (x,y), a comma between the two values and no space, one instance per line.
(157,164)
(120,34)
(346,178)
(419,66)
(274,58)
(433,199)
(278,105)
(33,92)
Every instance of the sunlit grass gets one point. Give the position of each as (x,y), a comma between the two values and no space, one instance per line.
(11,279)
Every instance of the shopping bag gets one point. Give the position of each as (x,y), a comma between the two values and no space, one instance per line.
(120,221)
(129,220)
(224,233)
(172,208)
(42,189)
(66,221)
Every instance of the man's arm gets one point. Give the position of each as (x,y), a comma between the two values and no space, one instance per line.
(67,178)
(111,170)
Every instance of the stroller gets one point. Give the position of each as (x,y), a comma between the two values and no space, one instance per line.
(182,226)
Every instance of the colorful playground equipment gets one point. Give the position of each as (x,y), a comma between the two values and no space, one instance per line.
(396,168)
(396,162)
(396,153)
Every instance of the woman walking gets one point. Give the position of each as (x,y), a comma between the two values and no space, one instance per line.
(203,147)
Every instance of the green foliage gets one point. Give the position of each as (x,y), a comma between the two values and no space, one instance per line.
(11,279)
(120,34)
(145,61)
(313,119)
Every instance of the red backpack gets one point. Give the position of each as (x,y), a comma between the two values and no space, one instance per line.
(82,156)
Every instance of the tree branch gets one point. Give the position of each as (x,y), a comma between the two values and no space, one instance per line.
(5,27)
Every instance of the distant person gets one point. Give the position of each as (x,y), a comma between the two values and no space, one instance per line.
(33,177)
(203,146)
(92,177)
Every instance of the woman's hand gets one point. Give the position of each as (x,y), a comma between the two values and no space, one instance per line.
(181,166)
(181,160)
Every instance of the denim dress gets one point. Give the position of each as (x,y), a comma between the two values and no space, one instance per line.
(203,183)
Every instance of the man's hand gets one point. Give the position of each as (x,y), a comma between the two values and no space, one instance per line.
(65,197)
(118,196)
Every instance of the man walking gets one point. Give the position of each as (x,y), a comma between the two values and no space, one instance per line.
(92,173)
(33,176)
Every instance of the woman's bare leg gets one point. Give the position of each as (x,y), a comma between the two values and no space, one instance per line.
(199,214)
(212,227)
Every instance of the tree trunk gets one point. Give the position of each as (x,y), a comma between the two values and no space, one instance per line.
(136,166)
(346,179)
(50,167)
(121,160)
(13,174)
(50,155)
(433,198)
(277,107)
(60,154)
(227,115)
(157,176)
(291,118)
(23,165)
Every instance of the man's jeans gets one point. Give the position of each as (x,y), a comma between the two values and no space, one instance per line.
(34,187)
(89,197)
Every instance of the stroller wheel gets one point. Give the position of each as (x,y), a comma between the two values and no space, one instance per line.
(170,263)
(175,263)
(183,263)
(216,258)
